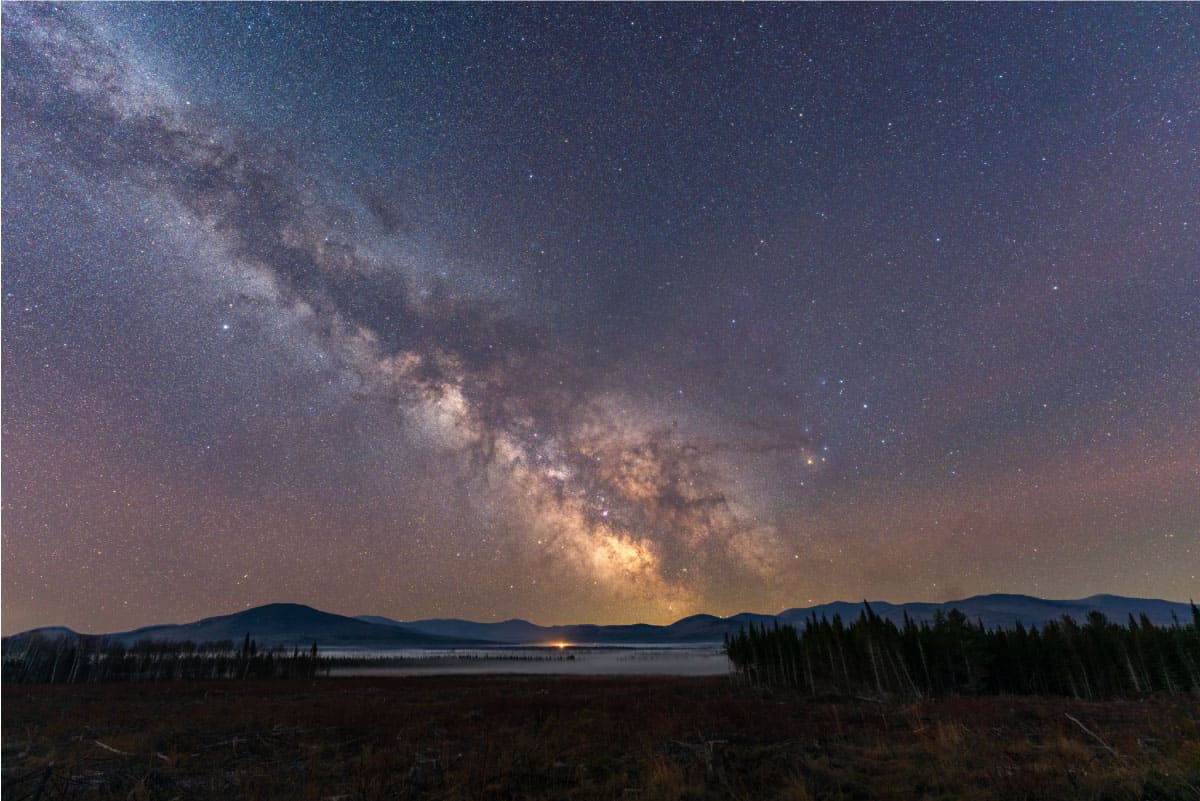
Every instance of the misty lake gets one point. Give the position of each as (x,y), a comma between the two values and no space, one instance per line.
(705,659)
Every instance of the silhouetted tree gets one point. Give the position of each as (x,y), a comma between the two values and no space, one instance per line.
(872,656)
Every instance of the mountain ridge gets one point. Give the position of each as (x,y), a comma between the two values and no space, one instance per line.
(291,624)
(995,609)
(269,625)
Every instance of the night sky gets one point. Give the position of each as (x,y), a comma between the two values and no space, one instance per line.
(596,313)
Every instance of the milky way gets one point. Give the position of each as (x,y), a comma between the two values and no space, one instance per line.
(602,313)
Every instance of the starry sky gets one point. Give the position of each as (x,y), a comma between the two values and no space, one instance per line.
(596,313)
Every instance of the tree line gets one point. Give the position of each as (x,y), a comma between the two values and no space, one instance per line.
(77,660)
(875,657)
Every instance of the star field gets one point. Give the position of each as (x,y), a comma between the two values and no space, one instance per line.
(595,313)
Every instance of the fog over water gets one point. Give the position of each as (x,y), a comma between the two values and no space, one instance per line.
(660,660)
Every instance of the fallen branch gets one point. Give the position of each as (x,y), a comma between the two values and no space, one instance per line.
(1093,735)
(234,742)
(868,699)
(107,747)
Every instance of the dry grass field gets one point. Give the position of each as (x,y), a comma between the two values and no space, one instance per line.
(580,738)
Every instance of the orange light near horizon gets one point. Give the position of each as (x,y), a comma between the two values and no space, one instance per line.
(561,645)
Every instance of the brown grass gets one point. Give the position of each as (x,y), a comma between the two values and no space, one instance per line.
(579,738)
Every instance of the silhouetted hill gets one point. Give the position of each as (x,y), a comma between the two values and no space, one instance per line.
(299,625)
(999,609)
(523,632)
(508,631)
(271,625)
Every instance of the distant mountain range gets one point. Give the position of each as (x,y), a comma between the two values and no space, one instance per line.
(992,610)
(297,625)
(271,625)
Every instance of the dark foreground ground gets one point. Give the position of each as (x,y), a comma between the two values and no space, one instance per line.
(579,738)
